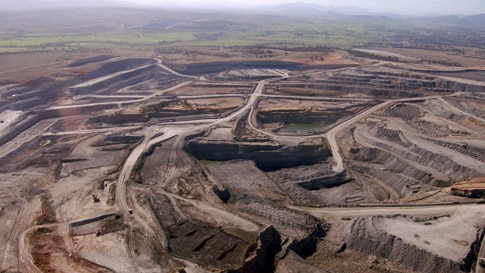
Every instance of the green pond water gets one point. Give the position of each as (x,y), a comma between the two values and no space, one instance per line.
(296,127)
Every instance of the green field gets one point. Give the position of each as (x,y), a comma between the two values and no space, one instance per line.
(298,35)
(86,29)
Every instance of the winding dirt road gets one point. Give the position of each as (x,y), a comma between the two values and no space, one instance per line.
(160,133)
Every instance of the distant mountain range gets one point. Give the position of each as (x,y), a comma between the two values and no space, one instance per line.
(308,9)
(462,21)
(316,9)
(289,9)
(60,4)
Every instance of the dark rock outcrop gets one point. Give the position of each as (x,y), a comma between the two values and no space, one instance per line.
(471,193)
(263,258)
(216,67)
(324,182)
(223,194)
(267,156)
(308,245)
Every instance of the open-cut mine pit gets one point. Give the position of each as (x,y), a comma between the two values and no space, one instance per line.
(129,165)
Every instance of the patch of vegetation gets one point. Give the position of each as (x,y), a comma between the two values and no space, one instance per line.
(207,161)
(297,127)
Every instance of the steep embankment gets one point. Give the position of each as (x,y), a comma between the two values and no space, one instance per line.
(267,156)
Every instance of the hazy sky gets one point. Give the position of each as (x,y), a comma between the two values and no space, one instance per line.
(397,6)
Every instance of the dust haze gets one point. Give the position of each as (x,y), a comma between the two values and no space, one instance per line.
(274,137)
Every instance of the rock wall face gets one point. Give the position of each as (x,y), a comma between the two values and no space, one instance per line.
(308,245)
(461,86)
(303,116)
(263,258)
(474,188)
(268,157)
(472,193)
(269,251)
(324,182)
(216,67)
